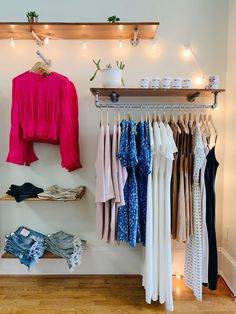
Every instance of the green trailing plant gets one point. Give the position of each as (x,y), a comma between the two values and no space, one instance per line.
(120,65)
(113,19)
(31,14)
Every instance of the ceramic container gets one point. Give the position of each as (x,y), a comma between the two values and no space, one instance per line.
(155,83)
(111,77)
(166,82)
(144,82)
(186,83)
(176,83)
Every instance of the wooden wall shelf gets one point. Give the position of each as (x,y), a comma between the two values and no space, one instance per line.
(122,31)
(34,199)
(149,92)
(46,254)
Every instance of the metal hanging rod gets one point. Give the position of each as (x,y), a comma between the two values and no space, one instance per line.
(153,106)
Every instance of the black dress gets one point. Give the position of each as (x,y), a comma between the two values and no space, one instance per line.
(210,175)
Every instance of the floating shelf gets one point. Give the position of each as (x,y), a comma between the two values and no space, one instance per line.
(122,31)
(46,254)
(35,199)
(150,92)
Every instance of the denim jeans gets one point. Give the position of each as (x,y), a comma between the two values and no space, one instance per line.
(26,244)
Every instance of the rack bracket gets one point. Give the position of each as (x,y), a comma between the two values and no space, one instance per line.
(193,97)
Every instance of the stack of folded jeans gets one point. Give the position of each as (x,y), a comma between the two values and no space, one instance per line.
(21,192)
(58,193)
(66,245)
(25,244)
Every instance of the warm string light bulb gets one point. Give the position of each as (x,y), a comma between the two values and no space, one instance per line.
(46,40)
(12,42)
(187,52)
(199,80)
(121,44)
(154,46)
(84,45)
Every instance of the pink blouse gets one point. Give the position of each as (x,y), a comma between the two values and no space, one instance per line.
(44,109)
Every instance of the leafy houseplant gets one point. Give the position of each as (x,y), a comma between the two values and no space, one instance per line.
(32,17)
(113,19)
(111,77)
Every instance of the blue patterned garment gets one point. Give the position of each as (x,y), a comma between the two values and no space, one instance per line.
(142,172)
(128,215)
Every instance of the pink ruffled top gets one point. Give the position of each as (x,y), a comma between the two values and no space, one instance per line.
(44,109)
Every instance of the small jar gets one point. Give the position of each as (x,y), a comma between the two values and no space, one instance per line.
(144,82)
(166,82)
(214,79)
(214,85)
(176,83)
(186,83)
(155,83)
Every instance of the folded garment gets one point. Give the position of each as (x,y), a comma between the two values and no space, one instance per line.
(66,245)
(25,244)
(21,192)
(58,193)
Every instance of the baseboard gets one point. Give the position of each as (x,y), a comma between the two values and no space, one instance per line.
(227,269)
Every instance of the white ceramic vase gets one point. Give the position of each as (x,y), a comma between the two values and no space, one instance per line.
(111,77)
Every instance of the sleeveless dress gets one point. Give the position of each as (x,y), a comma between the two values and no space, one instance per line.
(210,175)
(193,257)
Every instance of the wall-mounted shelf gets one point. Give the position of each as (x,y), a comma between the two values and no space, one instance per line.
(34,199)
(46,254)
(114,94)
(122,31)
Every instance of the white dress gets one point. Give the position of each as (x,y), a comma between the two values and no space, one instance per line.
(148,265)
(193,257)
(155,175)
(161,216)
(170,150)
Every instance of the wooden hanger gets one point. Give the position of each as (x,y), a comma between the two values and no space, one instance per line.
(186,123)
(210,120)
(182,125)
(40,68)
(203,126)
(158,118)
(154,117)
(207,126)
(164,119)
(172,120)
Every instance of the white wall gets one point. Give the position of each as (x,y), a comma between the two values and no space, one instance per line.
(203,24)
(228,264)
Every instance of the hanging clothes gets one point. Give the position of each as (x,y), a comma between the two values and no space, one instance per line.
(193,258)
(210,176)
(44,109)
(128,215)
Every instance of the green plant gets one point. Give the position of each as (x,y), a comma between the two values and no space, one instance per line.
(113,19)
(120,66)
(32,14)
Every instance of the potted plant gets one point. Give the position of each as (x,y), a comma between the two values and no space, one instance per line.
(111,77)
(32,17)
(113,19)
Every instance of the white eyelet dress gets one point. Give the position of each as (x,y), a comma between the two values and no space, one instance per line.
(193,257)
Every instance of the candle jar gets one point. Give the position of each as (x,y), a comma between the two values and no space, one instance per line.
(186,83)
(144,82)
(166,82)
(155,83)
(176,83)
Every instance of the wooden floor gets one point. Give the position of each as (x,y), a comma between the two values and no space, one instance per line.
(101,295)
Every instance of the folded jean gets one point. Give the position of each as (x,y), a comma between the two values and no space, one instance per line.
(56,192)
(26,244)
(21,192)
(66,245)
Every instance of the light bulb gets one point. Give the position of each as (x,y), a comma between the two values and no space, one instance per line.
(178,276)
(121,27)
(154,46)
(121,44)
(199,80)
(187,52)
(12,42)
(46,40)
(84,45)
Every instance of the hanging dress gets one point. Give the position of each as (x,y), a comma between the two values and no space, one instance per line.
(210,175)
(170,150)
(148,264)
(155,178)
(128,215)
(193,257)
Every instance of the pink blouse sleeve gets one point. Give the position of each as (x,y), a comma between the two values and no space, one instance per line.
(20,151)
(69,129)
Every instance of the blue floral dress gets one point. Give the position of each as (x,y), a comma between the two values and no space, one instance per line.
(142,172)
(128,215)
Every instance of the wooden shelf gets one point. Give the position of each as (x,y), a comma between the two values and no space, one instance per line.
(149,92)
(18,30)
(35,199)
(46,254)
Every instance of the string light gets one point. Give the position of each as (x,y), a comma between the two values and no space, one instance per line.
(12,42)
(46,40)
(84,45)
(187,53)
(199,80)
(178,276)
(154,46)
(121,44)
